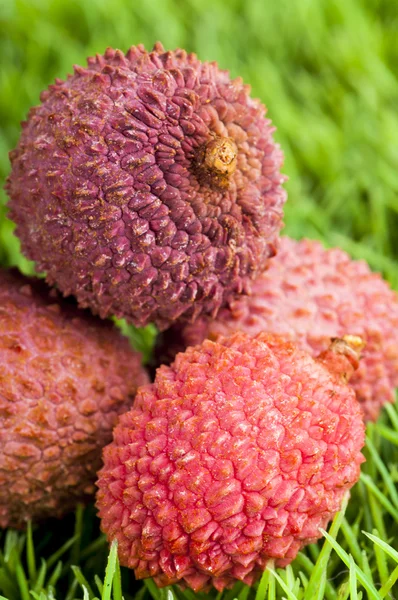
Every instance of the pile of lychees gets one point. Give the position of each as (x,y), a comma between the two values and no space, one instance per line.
(148,186)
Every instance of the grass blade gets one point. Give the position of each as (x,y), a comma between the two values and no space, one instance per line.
(7,584)
(82,580)
(379,495)
(381,561)
(55,575)
(392,413)
(320,566)
(387,433)
(364,579)
(57,555)
(30,553)
(99,584)
(263,586)
(117,582)
(353,580)
(110,571)
(351,540)
(283,585)
(271,585)
(152,588)
(308,565)
(389,483)
(22,582)
(75,552)
(383,545)
(385,589)
(96,545)
(41,576)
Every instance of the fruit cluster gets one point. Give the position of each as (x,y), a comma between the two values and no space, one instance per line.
(148,186)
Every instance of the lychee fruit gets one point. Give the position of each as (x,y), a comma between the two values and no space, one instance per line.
(310,294)
(236,455)
(64,378)
(148,185)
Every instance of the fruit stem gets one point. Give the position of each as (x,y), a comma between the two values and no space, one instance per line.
(343,355)
(217,160)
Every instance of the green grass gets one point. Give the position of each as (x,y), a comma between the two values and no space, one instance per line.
(357,559)
(327,70)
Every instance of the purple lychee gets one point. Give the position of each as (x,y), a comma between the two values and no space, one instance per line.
(148,185)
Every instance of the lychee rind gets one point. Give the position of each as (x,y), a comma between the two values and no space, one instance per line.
(237,454)
(65,376)
(309,295)
(117,199)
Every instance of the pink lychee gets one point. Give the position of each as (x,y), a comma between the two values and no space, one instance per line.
(65,376)
(310,294)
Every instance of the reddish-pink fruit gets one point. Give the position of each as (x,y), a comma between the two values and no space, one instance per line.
(148,185)
(309,294)
(65,376)
(237,454)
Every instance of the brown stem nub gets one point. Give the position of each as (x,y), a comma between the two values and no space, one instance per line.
(343,355)
(216,161)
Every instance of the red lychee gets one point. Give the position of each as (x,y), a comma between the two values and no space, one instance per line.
(237,454)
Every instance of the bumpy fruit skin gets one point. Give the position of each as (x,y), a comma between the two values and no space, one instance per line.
(120,194)
(309,295)
(235,455)
(64,378)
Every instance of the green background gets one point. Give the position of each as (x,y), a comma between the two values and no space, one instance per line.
(327,71)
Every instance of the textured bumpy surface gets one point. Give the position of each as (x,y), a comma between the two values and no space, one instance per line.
(236,454)
(115,191)
(64,378)
(309,295)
